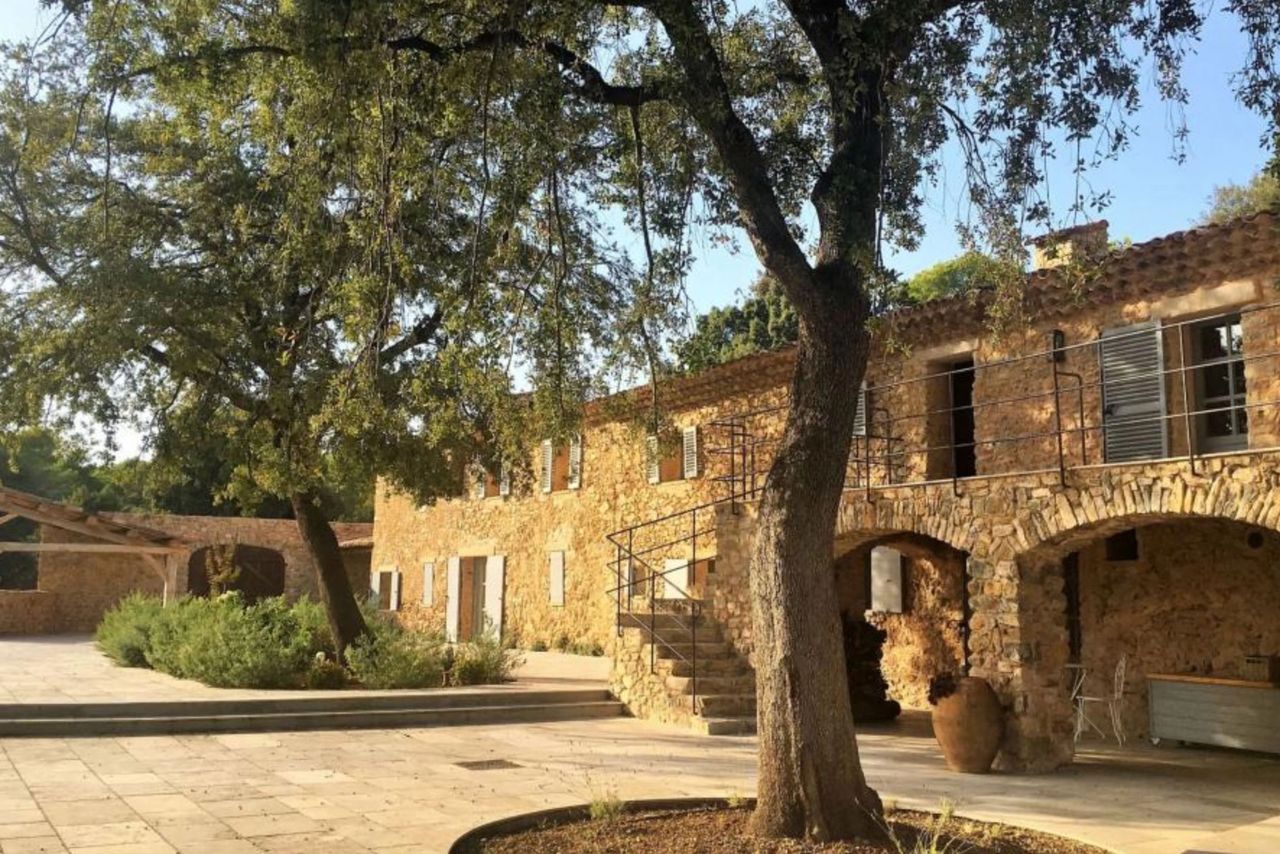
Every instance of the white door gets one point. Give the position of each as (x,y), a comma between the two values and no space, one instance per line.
(452,599)
(675,579)
(494,572)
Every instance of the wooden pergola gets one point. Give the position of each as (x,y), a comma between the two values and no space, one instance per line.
(161,551)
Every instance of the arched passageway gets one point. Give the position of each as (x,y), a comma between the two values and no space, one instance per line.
(912,588)
(1187,595)
(258,572)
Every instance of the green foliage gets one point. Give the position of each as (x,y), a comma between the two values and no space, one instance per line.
(586,647)
(125,630)
(483,661)
(1261,192)
(390,657)
(606,806)
(763,321)
(325,674)
(538,646)
(961,275)
(313,623)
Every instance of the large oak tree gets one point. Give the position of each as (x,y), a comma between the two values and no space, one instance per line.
(749,115)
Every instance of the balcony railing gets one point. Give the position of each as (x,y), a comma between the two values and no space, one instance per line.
(1135,395)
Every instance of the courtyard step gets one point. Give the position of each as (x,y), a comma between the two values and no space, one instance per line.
(724,726)
(664,622)
(720,705)
(733,666)
(363,711)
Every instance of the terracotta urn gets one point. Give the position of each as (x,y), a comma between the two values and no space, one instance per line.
(968,723)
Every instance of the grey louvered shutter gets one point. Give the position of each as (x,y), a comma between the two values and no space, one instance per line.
(548,459)
(651,461)
(860,414)
(1133,405)
(504,480)
(689,448)
(575,462)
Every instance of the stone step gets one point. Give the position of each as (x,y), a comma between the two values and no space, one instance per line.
(680,634)
(742,683)
(628,619)
(720,705)
(642,605)
(706,651)
(730,666)
(724,726)
(462,708)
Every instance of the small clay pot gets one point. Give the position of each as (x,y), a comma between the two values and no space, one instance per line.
(969,725)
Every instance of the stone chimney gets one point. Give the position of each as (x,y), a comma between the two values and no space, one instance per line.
(1079,242)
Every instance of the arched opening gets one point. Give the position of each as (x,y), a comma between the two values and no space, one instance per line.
(1182,601)
(904,604)
(255,571)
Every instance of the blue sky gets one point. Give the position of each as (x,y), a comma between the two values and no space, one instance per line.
(1153,195)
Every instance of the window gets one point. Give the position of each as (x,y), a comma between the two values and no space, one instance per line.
(1218,350)
(385,584)
(428,583)
(681,463)
(1123,546)
(485,484)
(560,467)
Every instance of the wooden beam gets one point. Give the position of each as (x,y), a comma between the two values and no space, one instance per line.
(7,518)
(44,514)
(88,548)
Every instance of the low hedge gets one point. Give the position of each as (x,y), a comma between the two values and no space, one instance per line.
(226,643)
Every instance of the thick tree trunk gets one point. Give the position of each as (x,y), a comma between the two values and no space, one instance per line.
(345,620)
(811,782)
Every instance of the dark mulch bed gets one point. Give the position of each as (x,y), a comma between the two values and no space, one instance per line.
(725,831)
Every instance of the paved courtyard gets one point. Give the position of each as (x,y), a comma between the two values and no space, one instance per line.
(405,791)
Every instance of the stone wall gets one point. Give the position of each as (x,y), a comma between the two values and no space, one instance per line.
(28,612)
(87,585)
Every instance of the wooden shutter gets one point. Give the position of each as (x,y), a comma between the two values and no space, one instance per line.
(452,605)
(860,413)
(504,480)
(651,460)
(548,460)
(556,578)
(689,447)
(494,574)
(394,602)
(429,583)
(1133,404)
(575,462)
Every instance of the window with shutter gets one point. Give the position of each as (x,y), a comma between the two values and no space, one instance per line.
(652,460)
(1133,404)
(548,461)
(504,480)
(860,413)
(575,462)
(689,447)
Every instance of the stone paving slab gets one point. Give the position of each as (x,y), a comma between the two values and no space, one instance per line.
(403,790)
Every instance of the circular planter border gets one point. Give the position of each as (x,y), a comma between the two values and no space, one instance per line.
(579,812)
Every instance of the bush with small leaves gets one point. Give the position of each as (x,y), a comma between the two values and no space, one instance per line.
(326,675)
(483,661)
(124,631)
(389,657)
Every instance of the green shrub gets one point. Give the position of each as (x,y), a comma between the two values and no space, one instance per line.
(539,646)
(586,647)
(166,642)
(389,657)
(313,622)
(326,675)
(259,646)
(561,643)
(124,631)
(483,662)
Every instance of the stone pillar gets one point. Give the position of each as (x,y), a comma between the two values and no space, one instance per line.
(1018,643)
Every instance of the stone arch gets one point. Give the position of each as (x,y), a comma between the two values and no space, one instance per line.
(262,571)
(947,520)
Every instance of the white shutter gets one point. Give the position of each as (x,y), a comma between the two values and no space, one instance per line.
(452,605)
(375,584)
(690,448)
(651,460)
(1133,404)
(548,459)
(429,583)
(675,578)
(394,604)
(860,413)
(886,580)
(504,480)
(494,572)
(477,481)
(556,579)
(575,462)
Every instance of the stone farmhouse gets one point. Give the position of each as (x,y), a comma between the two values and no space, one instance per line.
(1100,482)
